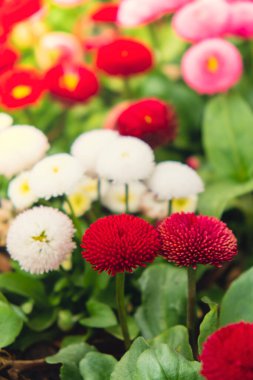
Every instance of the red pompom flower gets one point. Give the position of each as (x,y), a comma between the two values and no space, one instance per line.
(8,58)
(105,13)
(72,83)
(14,11)
(120,243)
(150,120)
(20,88)
(188,240)
(228,353)
(124,57)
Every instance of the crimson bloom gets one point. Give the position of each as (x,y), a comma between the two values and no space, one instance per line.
(188,240)
(227,353)
(8,58)
(20,88)
(120,243)
(124,57)
(14,11)
(72,82)
(106,13)
(150,120)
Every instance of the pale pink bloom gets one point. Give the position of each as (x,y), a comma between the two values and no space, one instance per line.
(212,66)
(137,12)
(239,1)
(202,19)
(241,24)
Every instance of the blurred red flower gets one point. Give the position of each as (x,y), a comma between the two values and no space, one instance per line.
(151,120)
(106,13)
(13,11)
(72,83)
(8,58)
(124,57)
(20,88)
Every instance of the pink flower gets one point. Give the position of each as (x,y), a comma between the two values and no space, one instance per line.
(241,24)
(133,13)
(202,19)
(67,3)
(212,66)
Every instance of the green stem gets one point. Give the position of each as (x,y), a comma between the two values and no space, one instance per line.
(126,88)
(169,207)
(120,300)
(99,190)
(191,311)
(127,197)
(79,232)
(58,130)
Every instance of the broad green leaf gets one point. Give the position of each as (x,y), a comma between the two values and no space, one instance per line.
(97,366)
(70,354)
(209,324)
(125,369)
(163,289)
(176,338)
(10,324)
(25,286)
(228,136)
(41,320)
(162,363)
(101,315)
(217,196)
(132,327)
(237,304)
(70,371)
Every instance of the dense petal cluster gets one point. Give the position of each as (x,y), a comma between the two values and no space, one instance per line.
(8,58)
(105,13)
(241,22)
(227,353)
(20,193)
(188,240)
(120,243)
(151,120)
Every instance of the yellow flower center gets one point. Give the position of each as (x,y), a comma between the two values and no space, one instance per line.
(80,203)
(121,198)
(42,237)
(20,92)
(69,81)
(24,187)
(212,64)
(148,119)
(56,169)
(180,204)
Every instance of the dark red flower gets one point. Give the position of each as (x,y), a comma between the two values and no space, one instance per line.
(20,88)
(228,353)
(124,57)
(8,58)
(188,240)
(72,82)
(120,243)
(14,11)
(150,120)
(106,13)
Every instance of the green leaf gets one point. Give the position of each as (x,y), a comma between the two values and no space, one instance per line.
(24,285)
(10,324)
(237,304)
(162,363)
(70,354)
(97,366)
(70,371)
(177,339)
(228,136)
(125,369)
(163,288)
(132,327)
(41,320)
(209,324)
(101,315)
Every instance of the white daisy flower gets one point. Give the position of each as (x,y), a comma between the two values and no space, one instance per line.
(5,121)
(126,160)
(115,198)
(40,239)
(55,175)
(175,180)
(80,203)
(89,186)
(87,147)
(20,192)
(21,146)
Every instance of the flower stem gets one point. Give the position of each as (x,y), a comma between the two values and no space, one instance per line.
(120,300)
(126,88)
(191,311)
(99,190)
(127,197)
(169,207)
(79,232)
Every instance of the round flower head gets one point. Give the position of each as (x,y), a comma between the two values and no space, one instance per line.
(15,11)
(5,121)
(175,180)
(21,146)
(124,57)
(228,352)
(105,13)
(88,145)
(193,21)
(115,198)
(126,160)
(188,240)
(40,239)
(212,66)
(241,23)
(120,243)
(55,175)
(151,120)
(20,192)
(8,58)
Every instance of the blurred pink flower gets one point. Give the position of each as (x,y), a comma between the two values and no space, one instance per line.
(241,24)
(202,19)
(133,13)
(212,66)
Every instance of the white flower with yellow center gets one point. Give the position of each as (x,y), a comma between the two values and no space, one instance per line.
(115,198)
(21,146)
(87,147)
(5,121)
(80,202)
(172,179)
(55,175)
(89,185)
(126,160)
(40,239)
(20,192)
